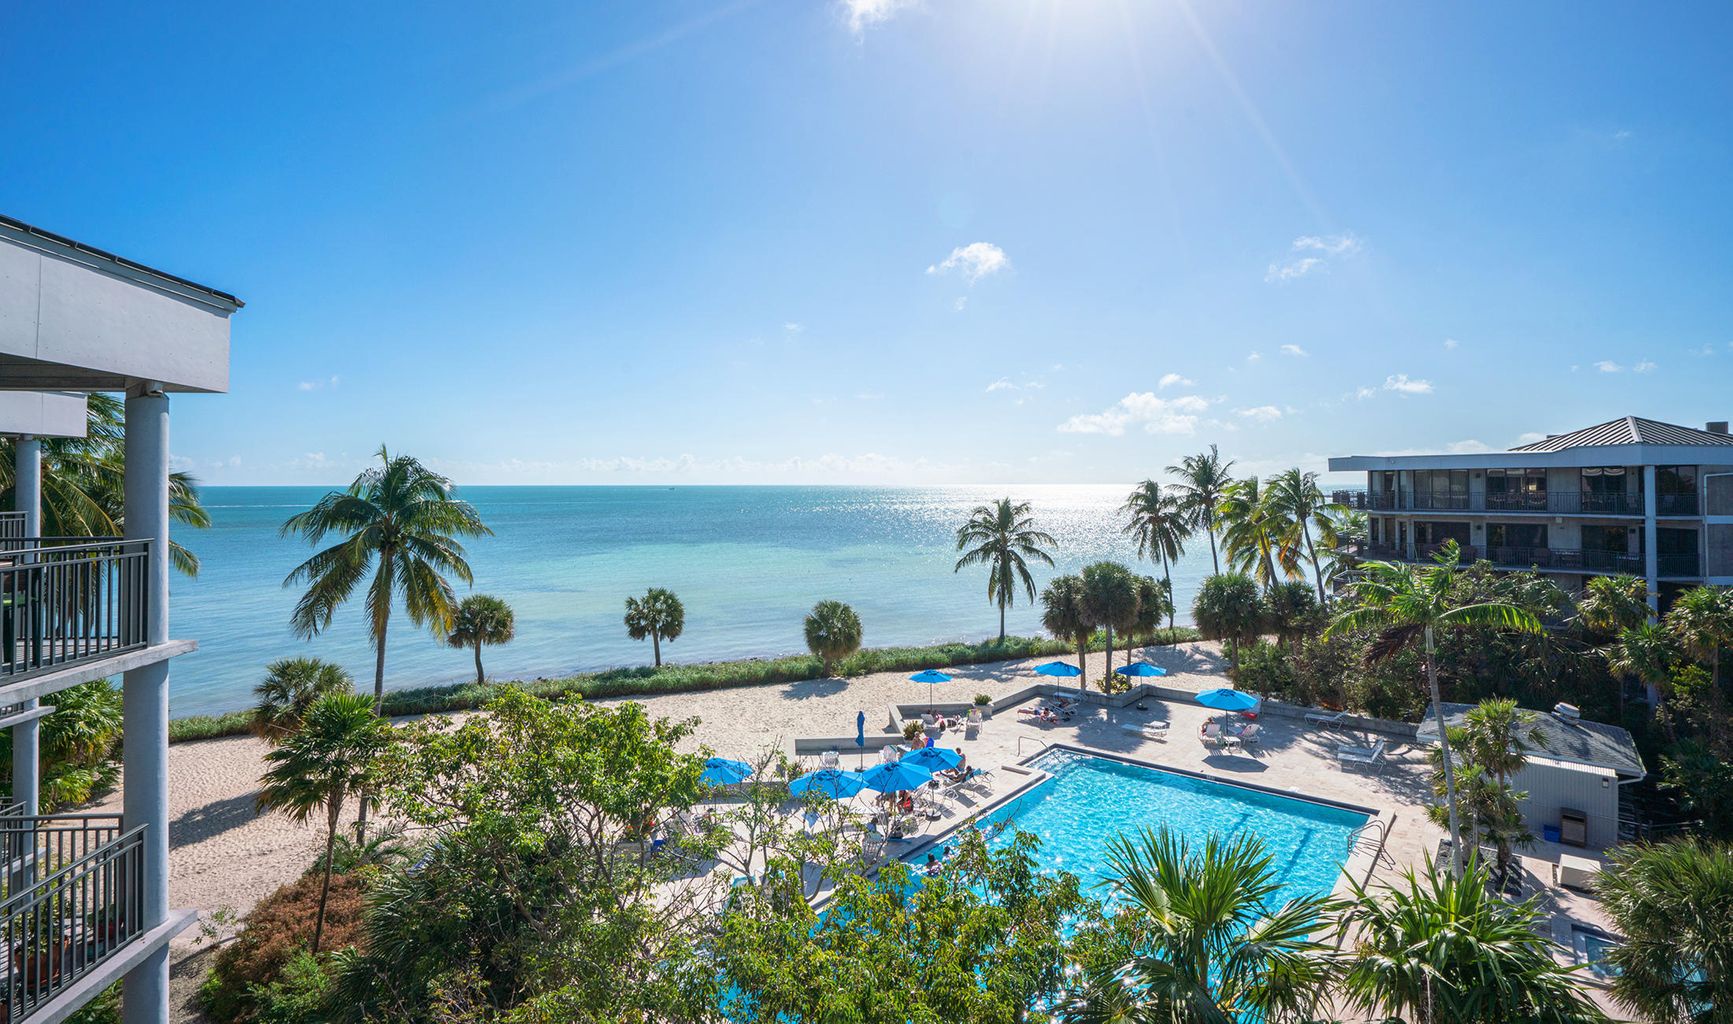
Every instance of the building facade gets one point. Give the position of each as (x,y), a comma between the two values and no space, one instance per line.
(1632,495)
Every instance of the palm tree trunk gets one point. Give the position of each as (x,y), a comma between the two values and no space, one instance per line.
(335,809)
(1109,662)
(480,677)
(1167,575)
(1444,757)
(656,646)
(1317,570)
(1209,528)
(1083,661)
(1001,622)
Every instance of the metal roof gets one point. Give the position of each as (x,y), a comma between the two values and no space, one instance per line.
(1578,741)
(28,229)
(1629,430)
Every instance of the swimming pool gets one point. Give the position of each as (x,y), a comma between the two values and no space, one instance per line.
(1088,800)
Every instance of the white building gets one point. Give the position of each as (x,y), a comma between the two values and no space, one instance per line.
(1628,496)
(87,900)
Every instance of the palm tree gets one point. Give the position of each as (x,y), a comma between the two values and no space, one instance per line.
(1110,598)
(1670,903)
(481,619)
(1612,604)
(1003,537)
(1701,620)
(1403,602)
(1154,600)
(1065,614)
(83,483)
(658,615)
(332,755)
(1443,949)
(1647,653)
(290,687)
(1157,520)
(399,522)
(833,632)
(1299,505)
(1491,807)
(1202,480)
(1229,609)
(1207,940)
(1497,735)
(1252,534)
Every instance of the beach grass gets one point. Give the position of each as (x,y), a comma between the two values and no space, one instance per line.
(710,675)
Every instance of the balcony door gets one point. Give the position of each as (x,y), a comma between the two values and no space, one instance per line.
(1516,490)
(1517,543)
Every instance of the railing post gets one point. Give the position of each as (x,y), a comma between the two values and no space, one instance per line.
(26,737)
(144,750)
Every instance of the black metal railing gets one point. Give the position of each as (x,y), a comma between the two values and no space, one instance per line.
(1676,504)
(1678,565)
(1440,503)
(70,914)
(62,603)
(1570,503)
(11,526)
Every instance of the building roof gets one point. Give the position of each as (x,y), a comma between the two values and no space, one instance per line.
(1628,430)
(1574,741)
(102,254)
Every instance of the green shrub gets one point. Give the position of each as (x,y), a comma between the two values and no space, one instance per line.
(277,930)
(299,995)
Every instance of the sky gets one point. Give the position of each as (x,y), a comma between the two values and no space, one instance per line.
(898,241)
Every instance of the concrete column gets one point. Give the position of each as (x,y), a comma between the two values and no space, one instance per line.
(144,747)
(1651,560)
(26,738)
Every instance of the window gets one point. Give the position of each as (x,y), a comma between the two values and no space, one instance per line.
(1520,490)
(1441,488)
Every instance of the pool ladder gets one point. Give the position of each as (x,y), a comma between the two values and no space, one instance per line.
(1363,831)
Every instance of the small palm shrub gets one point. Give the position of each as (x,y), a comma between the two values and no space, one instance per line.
(833,632)
(279,928)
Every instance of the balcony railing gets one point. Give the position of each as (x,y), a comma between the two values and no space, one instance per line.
(64,601)
(1678,565)
(73,899)
(1676,504)
(11,526)
(1516,556)
(1568,503)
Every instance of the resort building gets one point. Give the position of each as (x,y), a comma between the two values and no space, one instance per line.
(1631,495)
(86,896)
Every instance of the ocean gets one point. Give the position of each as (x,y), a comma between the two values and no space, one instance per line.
(747,562)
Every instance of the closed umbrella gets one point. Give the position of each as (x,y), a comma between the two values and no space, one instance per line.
(720,771)
(932,678)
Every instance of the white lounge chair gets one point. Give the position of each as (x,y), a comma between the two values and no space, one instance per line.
(1249,735)
(1326,718)
(1148,730)
(1211,734)
(1371,757)
(829,759)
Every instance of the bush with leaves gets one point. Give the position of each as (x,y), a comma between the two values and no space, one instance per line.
(1670,902)
(79,753)
(833,632)
(279,928)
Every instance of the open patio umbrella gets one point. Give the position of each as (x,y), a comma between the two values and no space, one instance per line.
(1226,698)
(1141,668)
(720,771)
(1060,670)
(832,782)
(895,777)
(932,677)
(933,758)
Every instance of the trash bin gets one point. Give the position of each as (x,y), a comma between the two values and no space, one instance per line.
(1549,833)
(1573,827)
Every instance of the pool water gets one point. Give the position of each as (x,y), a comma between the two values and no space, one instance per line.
(1088,800)
(1595,947)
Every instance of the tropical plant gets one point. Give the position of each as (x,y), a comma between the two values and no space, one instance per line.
(1612,604)
(481,619)
(1702,783)
(1228,608)
(1154,601)
(1253,534)
(1648,653)
(1670,902)
(1402,603)
(77,744)
(290,687)
(1065,614)
(1110,597)
(833,632)
(84,483)
(1298,505)
(1441,948)
(1491,812)
(1157,520)
(658,615)
(1002,536)
(1292,611)
(1701,619)
(398,521)
(1198,935)
(1497,735)
(333,755)
(1203,478)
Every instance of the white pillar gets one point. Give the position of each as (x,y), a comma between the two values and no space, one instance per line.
(1651,559)
(26,738)
(144,745)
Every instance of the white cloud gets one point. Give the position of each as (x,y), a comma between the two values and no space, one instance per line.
(794,327)
(869,396)
(1643,367)
(1261,413)
(1292,269)
(1345,244)
(1467,447)
(1142,408)
(1608,366)
(1706,350)
(1364,393)
(864,14)
(1402,384)
(961,303)
(974,261)
(1312,252)
(1450,344)
(1255,357)
(1168,380)
(1530,437)
(319,385)
(1002,384)
(1294,350)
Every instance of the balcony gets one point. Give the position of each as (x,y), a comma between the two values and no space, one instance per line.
(1583,560)
(73,900)
(1560,503)
(11,527)
(1676,504)
(69,601)
(1686,565)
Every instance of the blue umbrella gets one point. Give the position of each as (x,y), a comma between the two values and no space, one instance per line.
(1141,668)
(832,782)
(1226,698)
(719,771)
(860,734)
(895,777)
(933,758)
(1064,670)
(931,677)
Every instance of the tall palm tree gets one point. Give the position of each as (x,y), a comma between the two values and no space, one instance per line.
(658,615)
(1202,480)
(1441,949)
(1154,600)
(1301,509)
(1701,619)
(290,687)
(1612,604)
(399,522)
(833,632)
(1228,609)
(1670,903)
(1403,602)
(1647,653)
(1252,534)
(332,755)
(1110,597)
(1065,614)
(1206,939)
(1157,521)
(1003,537)
(481,619)
(84,483)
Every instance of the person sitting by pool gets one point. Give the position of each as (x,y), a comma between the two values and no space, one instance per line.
(958,773)
(906,802)
(1043,714)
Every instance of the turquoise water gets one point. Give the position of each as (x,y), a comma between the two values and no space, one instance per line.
(748,562)
(1089,800)
(1595,950)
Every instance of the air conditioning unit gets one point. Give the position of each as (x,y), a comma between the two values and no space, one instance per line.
(1568,712)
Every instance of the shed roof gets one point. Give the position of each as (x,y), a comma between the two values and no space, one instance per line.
(1576,741)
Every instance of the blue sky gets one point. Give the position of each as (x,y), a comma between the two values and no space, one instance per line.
(885,241)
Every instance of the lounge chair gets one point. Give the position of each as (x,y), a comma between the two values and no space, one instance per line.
(1211,734)
(1326,719)
(1371,757)
(1249,735)
(1149,730)
(971,728)
(829,759)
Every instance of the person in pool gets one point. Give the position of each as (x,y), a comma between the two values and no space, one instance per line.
(932,868)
